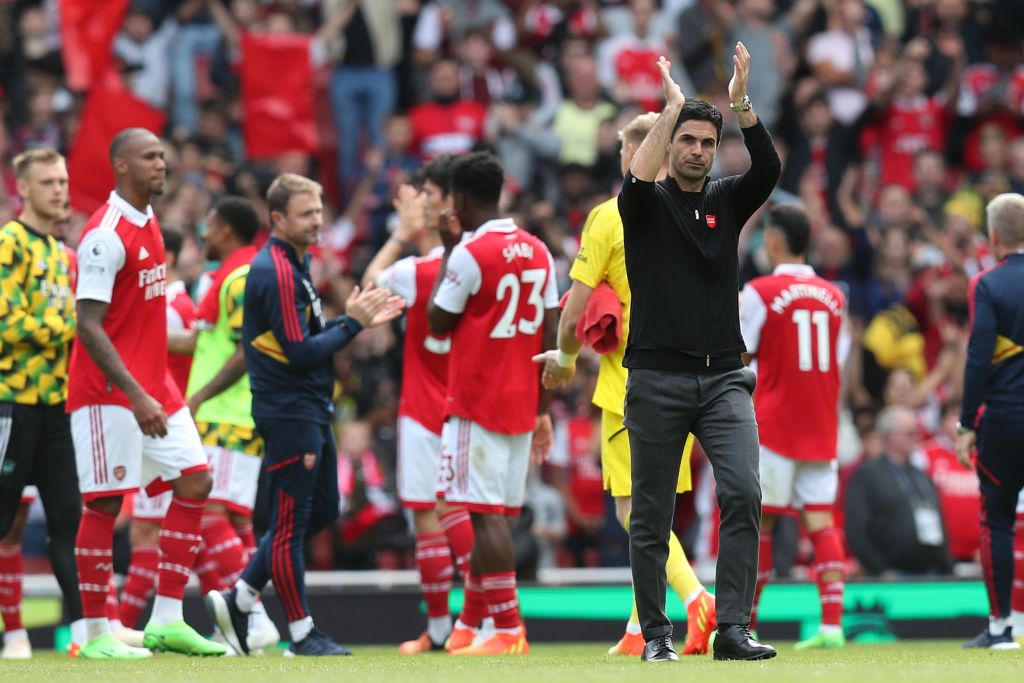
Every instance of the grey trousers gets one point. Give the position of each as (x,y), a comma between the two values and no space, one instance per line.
(661,408)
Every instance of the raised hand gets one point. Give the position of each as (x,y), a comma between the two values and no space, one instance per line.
(673,93)
(410,205)
(372,307)
(740,74)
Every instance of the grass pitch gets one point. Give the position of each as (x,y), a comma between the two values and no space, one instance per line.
(904,662)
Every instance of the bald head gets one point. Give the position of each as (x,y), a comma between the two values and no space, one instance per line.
(137,157)
(123,140)
(1005,215)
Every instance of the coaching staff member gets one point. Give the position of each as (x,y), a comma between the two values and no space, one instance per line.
(683,354)
(289,349)
(994,378)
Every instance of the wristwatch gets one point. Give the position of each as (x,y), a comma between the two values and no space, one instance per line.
(961,429)
(744,104)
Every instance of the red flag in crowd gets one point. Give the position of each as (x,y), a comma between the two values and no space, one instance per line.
(88,28)
(277,95)
(108,110)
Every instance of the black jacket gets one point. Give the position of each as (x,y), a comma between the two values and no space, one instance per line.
(682,264)
(880,526)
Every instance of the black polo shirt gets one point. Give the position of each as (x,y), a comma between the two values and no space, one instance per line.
(682,264)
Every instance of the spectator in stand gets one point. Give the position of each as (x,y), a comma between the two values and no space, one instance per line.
(627,61)
(444,24)
(770,41)
(525,146)
(1015,165)
(957,485)
(575,471)
(930,182)
(481,77)
(704,49)
(142,48)
(841,58)
(579,117)
(893,519)
(197,37)
(445,123)
(543,24)
(990,91)
(907,119)
(364,43)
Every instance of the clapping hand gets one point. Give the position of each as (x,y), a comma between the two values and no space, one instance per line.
(372,307)
(740,74)
(673,93)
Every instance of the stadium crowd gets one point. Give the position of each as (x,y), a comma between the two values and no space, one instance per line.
(897,121)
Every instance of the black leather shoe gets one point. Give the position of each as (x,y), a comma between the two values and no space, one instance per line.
(659,650)
(734,642)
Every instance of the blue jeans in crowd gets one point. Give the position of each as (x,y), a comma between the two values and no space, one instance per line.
(362,98)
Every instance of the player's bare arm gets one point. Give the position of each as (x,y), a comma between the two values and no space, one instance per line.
(651,155)
(442,322)
(410,205)
(147,410)
(231,372)
(182,341)
(543,432)
(745,114)
(560,362)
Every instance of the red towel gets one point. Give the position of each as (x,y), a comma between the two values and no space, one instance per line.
(600,326)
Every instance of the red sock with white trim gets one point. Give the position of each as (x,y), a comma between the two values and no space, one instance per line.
(94,557)
(140,584)
(764,573)
(113,606)
(829,565)
(474,603)
(12,569)
(434,562)
(502,601)
(245,532)
(179,547)
(224,547)
(458,529)
(206,571)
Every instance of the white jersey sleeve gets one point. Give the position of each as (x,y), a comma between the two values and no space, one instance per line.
(462,279)
(100,256)
(551,288)
(400,278)
(753,314)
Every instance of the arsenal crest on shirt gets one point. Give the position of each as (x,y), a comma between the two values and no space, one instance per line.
(711,220)
(309,460)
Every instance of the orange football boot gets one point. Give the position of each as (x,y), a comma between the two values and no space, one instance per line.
(701,622)
(461,638)
(419,646)
(499,644)
(631,644)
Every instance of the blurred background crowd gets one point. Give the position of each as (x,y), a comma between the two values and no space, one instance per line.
(896,119)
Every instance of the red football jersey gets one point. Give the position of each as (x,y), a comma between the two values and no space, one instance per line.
(908,127)
(425,357)
(959,498)
(181,315)
(792,322)
(121,261)
(501,280)
(446,128)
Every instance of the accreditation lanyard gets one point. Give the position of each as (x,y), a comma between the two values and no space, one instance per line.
(927,521)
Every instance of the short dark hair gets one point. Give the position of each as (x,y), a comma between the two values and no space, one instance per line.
(173,242)
(123,138)
(791,220)
(699,110)
(479,176)
(439,171)
(240,216)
